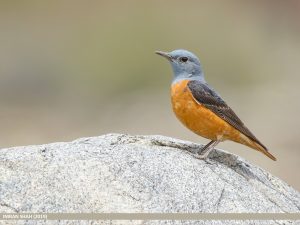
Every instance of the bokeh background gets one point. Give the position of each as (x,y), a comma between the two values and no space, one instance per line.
(70,69)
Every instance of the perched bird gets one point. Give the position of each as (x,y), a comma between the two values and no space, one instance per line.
(201,109)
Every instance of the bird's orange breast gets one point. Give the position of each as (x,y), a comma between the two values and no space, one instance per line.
(197,117)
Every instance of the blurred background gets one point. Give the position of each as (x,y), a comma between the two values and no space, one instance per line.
(71,69)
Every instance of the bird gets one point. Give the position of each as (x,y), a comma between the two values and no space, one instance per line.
(201,109)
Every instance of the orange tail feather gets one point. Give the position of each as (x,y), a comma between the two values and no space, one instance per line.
(260,148)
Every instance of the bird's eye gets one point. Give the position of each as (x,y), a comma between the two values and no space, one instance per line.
(183,59)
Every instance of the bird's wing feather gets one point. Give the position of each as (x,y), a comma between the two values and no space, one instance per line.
(211,100)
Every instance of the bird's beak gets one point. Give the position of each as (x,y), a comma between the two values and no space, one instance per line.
(164,54)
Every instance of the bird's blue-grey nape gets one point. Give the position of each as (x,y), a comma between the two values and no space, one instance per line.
(185,65)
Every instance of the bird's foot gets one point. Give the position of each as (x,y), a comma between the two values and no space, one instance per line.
(200,156)
(204,152)
(203,157)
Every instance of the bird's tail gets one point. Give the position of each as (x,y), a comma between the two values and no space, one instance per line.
(259,147)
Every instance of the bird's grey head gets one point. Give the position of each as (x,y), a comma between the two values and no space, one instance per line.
(186,66)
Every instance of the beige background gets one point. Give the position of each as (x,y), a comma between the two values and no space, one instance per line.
(70,69)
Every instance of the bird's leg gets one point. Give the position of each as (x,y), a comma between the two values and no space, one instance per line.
(204,149)
(204,152)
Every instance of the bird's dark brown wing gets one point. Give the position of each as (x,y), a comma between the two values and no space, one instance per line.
(206,96)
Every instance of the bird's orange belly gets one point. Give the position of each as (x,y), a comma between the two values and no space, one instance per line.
(198,118)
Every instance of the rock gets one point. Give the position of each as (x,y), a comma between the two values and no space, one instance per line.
(123,173)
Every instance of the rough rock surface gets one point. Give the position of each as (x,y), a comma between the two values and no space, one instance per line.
(123,173)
